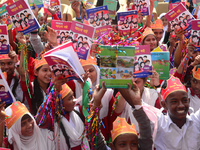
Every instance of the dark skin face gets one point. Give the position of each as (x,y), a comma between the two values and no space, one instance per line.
(7,65)
(177,104)
(195,85)
(68,102)
(126,141)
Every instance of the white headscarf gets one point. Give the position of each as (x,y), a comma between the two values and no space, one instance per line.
(20,142)
(164,28)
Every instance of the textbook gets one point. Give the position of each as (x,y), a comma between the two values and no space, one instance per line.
(112,7)
(180,18)
(127,22)
(81,35)
(160,62)
(5,92)
(142,6)
(195,34)
(118,65)
(38,3)
(99,19)
(4,40)
(55,4)
(173,5)
(63,59)
(8,2)
(62,29)
(22,17)
(5,18)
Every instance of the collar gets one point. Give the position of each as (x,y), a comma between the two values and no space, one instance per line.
(193,94)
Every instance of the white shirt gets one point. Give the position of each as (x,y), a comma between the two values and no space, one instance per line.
(149,96)
(170,137)
(194,101)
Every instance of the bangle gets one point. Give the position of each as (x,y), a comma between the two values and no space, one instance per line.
(79,18)
(157,86)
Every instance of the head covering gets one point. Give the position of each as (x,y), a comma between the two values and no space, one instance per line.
(39,61)
(196,72)
(15,112)
(120,126)
(173,85)
(147,31)
(90,61)
(39,15)
(4,56)
(162,15)
(65,90)
(157,25)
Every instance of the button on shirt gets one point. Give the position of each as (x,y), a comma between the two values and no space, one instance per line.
(170,137)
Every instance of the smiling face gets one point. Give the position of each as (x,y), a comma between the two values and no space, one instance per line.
(7,65)
(68,102)
(195,85)
(27,125)
(150,40)
(91,71)
(177,104)
(127,141)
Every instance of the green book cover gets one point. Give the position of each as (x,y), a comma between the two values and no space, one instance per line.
(112,7)
(5,17)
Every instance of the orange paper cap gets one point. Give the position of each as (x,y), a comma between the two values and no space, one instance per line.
(39,62)
(13,112)
(90,61)
(146,32)
(157,25)
(120,126)
(65,90)
(196,72)
(173,85)
(4,56)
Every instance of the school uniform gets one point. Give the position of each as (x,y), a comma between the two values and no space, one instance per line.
(194,99)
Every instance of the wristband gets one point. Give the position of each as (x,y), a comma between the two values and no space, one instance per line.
(136,107)
(157,86)
(78,18)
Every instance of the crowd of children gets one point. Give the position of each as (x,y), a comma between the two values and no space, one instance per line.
(52,112)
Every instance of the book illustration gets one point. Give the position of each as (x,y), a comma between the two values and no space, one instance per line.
(180,18)
(195,34)
(5,92)
(8,2)
(81,35)
(112,7)
(173,5)
(5,18)
(141,6)
(4,40)
(46,5)
(55,4)
(127,21)
(98,16)
(62,29)
(22,17)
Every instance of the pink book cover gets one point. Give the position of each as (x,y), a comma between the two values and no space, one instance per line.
(195,33)
(180,18)
(173,5)
(4,40)
(62,29)
(81,35)
(56,5)
(4,148)
(22,17)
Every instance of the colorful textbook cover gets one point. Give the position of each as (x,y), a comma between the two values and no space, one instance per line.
(63,59)
(62,29)
(99,19)
(55,4)
(173,5)
(195,33)
(5,18)
(5,92)
(112,7)
(38,3)
(127,21)
(160,62)
(180,18)
(4,40)
(22,17)
(81,35)
(119,64)
(142,6)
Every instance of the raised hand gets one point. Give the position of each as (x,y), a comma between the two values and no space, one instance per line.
(21,38)
(98,94)
(132,95)
(154,78)
(2,111)
(51,36)
(51,10)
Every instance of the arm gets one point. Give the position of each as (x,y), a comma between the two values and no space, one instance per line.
(145,140)
(11,40)
(149,17)
(2,120)
(53,13)
(36,42)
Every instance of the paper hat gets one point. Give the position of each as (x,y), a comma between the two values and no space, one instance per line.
(196,72)
(120,126)
(157,25)
(65,90)
(15,111)
(4,56)
(38,62)
(90,61)
(173,84)
(146,32)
